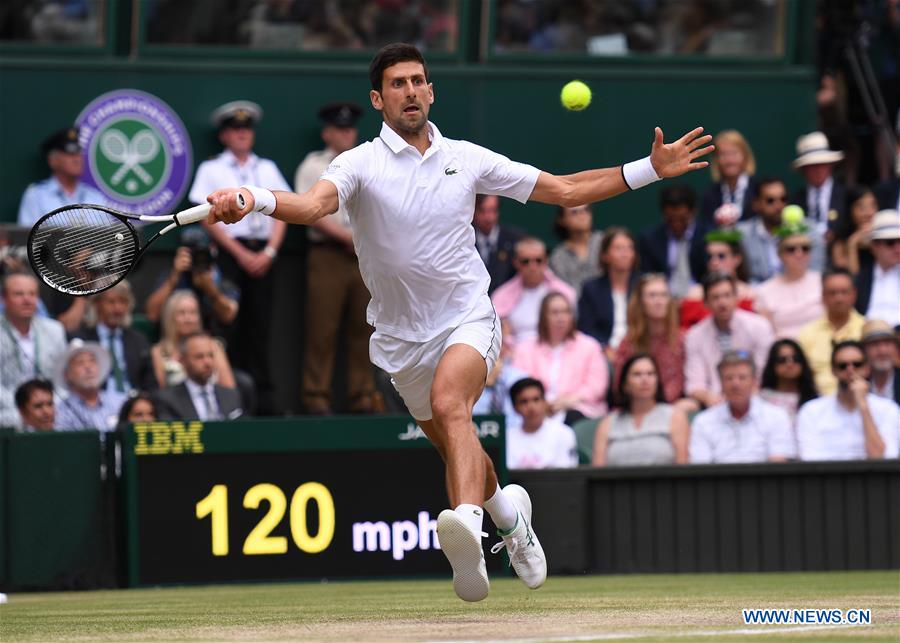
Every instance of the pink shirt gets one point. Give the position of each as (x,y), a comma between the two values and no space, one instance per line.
(791,304)
(507,296)
(582,371)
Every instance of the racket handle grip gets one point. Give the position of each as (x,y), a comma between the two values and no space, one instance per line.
(192,215)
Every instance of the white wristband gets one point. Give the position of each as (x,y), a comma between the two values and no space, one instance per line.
(263,199)
(639,173)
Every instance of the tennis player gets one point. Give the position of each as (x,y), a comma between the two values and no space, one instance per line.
(410,194)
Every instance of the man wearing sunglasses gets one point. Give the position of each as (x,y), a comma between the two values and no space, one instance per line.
(879,283)
(852,424)
(758,238)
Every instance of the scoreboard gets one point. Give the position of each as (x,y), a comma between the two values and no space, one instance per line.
(306,498)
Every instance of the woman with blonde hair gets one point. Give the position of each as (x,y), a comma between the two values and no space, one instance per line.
(732,167)
(653,328)
(180,318)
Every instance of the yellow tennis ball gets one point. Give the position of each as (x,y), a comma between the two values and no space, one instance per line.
(792,215)
(575,96)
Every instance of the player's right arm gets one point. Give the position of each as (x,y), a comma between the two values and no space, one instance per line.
(306,208)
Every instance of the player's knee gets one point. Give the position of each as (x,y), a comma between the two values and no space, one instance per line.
(448,409)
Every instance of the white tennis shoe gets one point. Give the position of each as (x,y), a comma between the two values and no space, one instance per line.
(525,552)
(462,547)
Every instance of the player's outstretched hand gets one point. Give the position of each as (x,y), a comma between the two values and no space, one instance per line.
(680,157)
(225,206)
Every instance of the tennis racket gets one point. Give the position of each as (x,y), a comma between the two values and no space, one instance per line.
(84,249)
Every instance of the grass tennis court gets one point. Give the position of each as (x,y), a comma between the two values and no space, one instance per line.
(681,608)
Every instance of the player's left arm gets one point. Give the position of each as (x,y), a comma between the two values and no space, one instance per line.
(666,160)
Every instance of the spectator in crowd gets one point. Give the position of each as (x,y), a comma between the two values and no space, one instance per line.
(822,197)
(195,268)
(723,249)
(676,247)
(79,376)
(732,168)
(249,247)
(569,363)
(538,442)
(129,350)
(30,346)
(645,431)
(140,407)
(180,318)
(851,247)
(758,234)
(336,295)
(64,186)
(744,427)
(883,355)
(603,306)
(495,396)
(198,397)
(793,298)
(518,301)
(879,284)
(34,399)
(787,380)
(727,329)
(839,323)
(577,258)
(496,244)
(853,424)
(653,329)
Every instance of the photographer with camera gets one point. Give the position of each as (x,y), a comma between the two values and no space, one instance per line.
(194,268)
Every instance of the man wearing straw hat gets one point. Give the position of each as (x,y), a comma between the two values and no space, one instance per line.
(882,346)
(879,283)
(823,198)
(81,371)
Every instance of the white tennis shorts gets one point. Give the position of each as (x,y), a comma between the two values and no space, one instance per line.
(411,365)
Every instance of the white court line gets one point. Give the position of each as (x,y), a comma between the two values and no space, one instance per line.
(608,636)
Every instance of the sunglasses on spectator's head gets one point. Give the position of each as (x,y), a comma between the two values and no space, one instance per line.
(787,359)
(527,260)
(775,199)
(843,366)
(805,248)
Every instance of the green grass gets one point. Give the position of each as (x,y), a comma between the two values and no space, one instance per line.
(643,607)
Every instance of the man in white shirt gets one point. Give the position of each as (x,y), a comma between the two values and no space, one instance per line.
(743,428)
(879,284)
(538,442)
(410,194)
(250,247)
(853,424)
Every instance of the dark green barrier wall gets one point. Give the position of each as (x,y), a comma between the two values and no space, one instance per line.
(513,110)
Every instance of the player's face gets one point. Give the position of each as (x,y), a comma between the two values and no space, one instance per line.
(405,97)
(199,359)
(39,411)
(737,384)
(112,307)
(21,297)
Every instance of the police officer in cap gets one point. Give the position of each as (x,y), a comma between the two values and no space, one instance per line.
(337,296)
(250,246)
(64,187)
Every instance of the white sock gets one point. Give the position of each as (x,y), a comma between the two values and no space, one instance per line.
(503,511)
(472,515)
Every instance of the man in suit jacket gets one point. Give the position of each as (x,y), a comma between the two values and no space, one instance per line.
(131,365)
(882,346)
(823,198)
(879,283)
(30,346)
(198,398)
(662,247)
(495,243)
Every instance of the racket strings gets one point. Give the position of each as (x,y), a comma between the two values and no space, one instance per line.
(83,250)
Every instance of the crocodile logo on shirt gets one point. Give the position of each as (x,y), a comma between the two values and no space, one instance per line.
(450,171)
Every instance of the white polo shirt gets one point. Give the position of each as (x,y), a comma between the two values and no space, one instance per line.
(224,171)
(828,431)
(764,432)
(554,445)
(412,226)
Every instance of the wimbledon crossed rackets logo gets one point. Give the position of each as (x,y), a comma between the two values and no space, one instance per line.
(128,157)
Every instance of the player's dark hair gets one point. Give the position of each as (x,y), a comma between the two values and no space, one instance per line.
(390,55)
(714,278)
(677,194)
(848,343)
(623,399)
(526,382)
(27,389)
(806,382)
